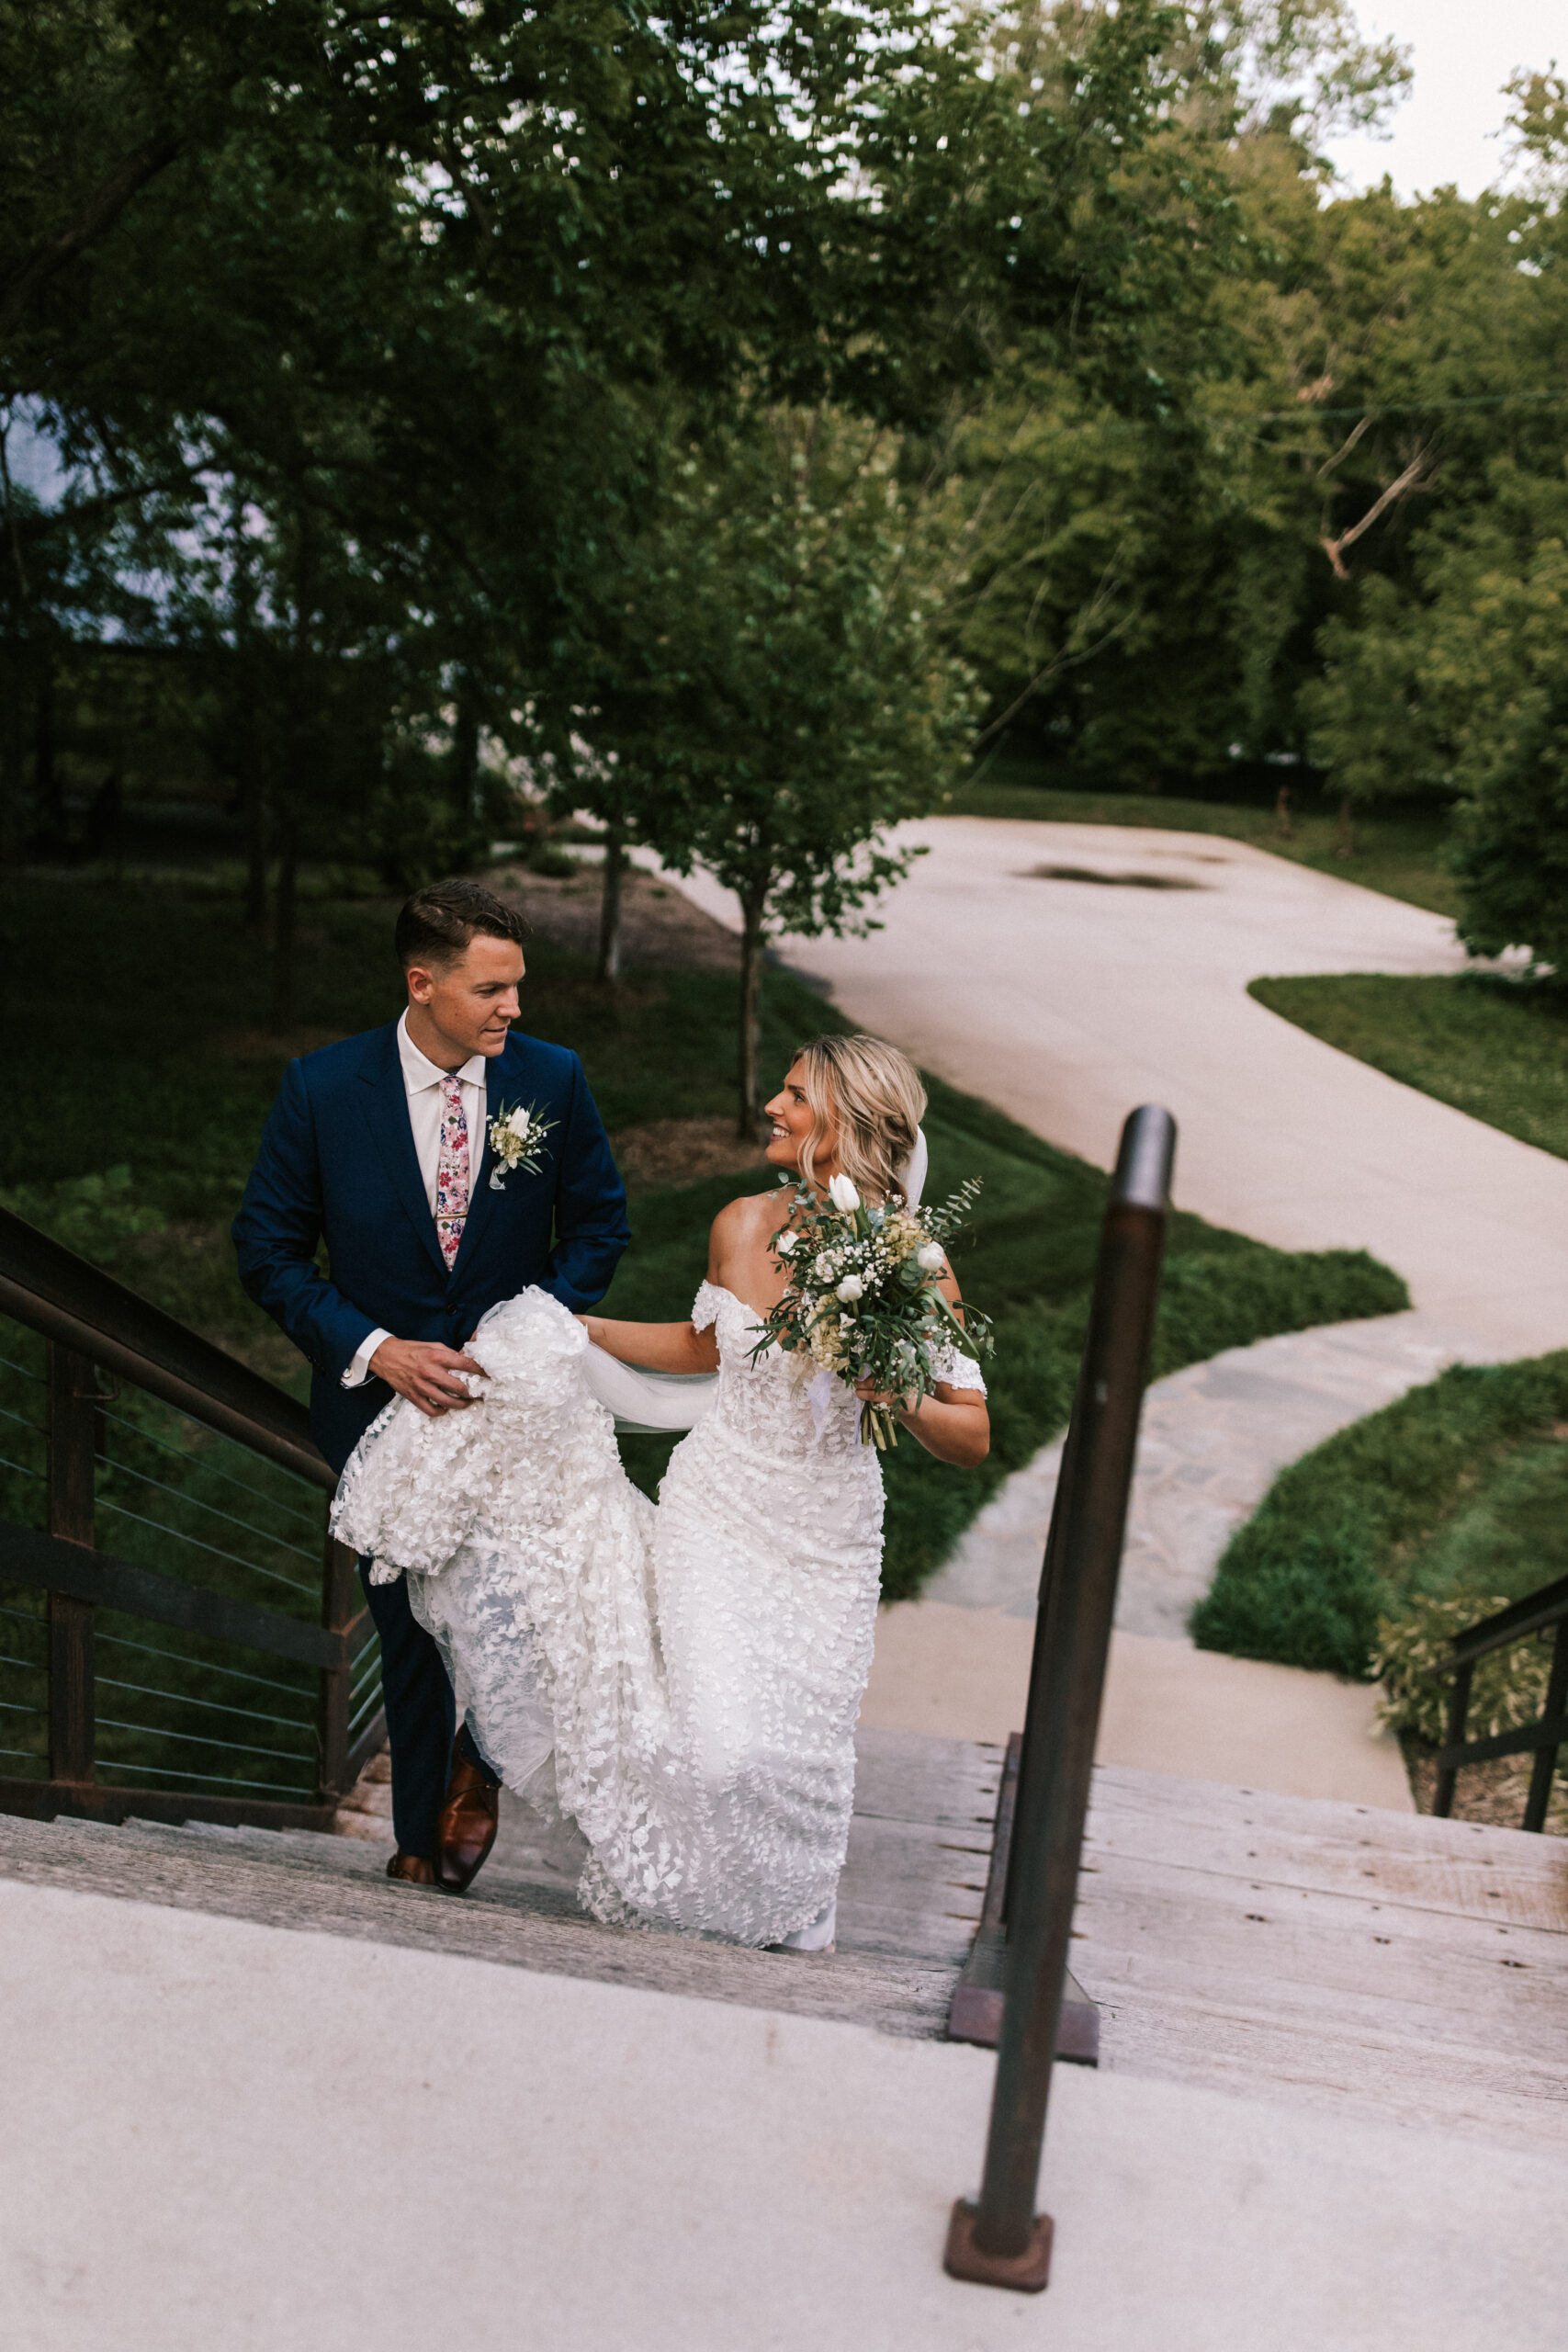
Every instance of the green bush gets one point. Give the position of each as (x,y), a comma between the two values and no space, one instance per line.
(1507,1688)
(95,1215)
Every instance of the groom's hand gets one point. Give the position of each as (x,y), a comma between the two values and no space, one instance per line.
(428,1374)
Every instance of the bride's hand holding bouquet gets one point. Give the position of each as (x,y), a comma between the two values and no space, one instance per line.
(864,1297)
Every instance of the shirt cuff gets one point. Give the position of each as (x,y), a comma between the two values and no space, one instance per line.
(358,1371)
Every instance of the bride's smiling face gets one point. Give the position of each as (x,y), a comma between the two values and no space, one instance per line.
(792,1120)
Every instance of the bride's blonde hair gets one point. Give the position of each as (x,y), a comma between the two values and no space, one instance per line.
(871,1093)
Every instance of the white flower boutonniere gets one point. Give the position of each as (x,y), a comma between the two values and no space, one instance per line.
(515,1137)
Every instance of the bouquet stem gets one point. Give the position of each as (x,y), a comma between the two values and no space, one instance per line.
(877,1426)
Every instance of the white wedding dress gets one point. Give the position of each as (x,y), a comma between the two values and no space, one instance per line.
(682,1681)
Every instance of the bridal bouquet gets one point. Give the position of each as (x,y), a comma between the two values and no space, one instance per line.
(864,1300)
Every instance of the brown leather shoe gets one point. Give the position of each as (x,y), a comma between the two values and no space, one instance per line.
(468,1820)
(414,1868)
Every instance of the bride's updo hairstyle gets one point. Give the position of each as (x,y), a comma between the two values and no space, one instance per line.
(869,1092)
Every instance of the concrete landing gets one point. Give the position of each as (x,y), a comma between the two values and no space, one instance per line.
(962,1673)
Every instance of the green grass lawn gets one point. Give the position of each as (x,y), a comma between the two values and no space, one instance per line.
(149,997)
(1399,852)
(1457,1493)
(1489,1045)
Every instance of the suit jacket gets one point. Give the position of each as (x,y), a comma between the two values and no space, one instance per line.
(337,1163)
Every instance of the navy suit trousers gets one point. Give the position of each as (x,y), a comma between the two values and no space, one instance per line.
(420,1706)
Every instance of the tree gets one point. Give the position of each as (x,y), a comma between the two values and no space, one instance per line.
(794,681)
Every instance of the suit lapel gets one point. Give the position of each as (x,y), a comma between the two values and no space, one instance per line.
(387,1115)
(501,1079)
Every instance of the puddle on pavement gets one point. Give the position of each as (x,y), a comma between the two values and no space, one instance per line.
(1114,881)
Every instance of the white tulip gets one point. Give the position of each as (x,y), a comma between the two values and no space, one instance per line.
(851,1287)
(785,1243)
(843,1195)
(930,1259)
(518,1122)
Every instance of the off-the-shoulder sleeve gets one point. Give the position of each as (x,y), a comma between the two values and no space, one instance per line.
(959,1371)
(705,1307)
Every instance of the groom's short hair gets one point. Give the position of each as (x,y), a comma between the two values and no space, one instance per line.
(438,921)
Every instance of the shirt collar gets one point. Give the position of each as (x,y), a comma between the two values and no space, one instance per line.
(419,1072)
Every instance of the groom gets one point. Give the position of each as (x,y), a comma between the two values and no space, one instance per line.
(380,1147)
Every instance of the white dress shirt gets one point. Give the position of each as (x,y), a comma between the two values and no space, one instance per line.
(423,1082)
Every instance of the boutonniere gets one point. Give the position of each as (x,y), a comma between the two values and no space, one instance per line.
(515,1137)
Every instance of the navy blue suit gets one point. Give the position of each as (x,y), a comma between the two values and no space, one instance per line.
(337,1163)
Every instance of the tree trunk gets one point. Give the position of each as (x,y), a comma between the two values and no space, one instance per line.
(48,797)
(303,749)
(255,848)
(13,828)
(610,905)
(466,754)
(283,925)
(243,681)
(1345,831)
(1283,829)
(750,1117)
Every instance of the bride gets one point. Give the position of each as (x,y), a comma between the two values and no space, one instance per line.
(683,1679)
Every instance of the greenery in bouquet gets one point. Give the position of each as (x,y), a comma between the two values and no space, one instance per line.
(865,1301)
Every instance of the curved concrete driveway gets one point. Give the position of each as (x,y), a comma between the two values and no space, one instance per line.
(1066,1002)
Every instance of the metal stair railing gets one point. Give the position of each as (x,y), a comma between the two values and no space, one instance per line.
(247,1689)
(1535,1614)
(999,2240)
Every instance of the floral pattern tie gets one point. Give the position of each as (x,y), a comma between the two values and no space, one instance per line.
(451,1172)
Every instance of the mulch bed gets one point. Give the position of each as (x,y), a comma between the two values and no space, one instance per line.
(662,931)
(682,1151)
(1494,1793)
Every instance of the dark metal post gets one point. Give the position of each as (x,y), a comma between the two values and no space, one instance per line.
(340,1595)
(1001,2241)
(1545,1768)
(1458,1711)
(73,1431)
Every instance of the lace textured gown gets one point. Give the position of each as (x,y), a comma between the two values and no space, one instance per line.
(682,1681)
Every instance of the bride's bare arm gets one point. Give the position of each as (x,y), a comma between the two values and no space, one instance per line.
(951,1423)
(676,1347)
(656,1347)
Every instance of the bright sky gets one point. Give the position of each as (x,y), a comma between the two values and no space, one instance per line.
(1464,52)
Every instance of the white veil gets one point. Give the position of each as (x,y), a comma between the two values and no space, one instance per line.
(653,1403)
